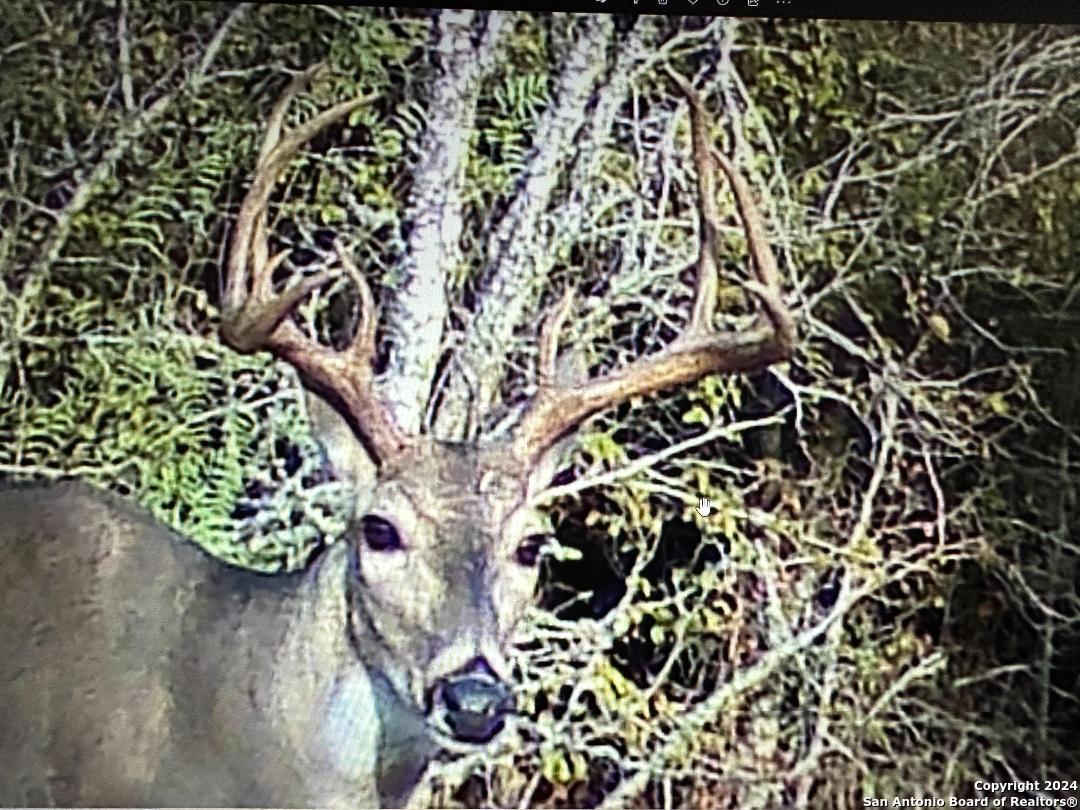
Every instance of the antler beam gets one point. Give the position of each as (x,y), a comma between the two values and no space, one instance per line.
(256,317)
(699,351)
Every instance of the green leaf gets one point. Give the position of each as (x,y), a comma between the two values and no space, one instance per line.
(998,404)
(330,214)
(696,416)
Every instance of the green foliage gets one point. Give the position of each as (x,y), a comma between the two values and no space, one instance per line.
(920,185)
(96,380)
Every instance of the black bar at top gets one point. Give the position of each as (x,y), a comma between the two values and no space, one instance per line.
(966,11)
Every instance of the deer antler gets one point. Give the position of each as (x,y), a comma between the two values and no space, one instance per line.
(699,351)
(256,317)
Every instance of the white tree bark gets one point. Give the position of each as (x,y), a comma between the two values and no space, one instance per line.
(521,237)
(593,83)
(417,309)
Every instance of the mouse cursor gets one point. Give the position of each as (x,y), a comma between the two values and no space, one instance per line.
(704,507)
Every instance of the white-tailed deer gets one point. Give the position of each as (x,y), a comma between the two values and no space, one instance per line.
(137,671)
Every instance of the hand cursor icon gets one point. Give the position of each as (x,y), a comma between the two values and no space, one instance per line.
(704,507)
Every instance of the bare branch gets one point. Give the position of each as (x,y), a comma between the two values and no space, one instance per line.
(123,44)
(418,304)
(215,43)
(591,87)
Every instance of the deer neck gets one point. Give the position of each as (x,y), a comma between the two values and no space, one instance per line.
(404,745)
(345,719)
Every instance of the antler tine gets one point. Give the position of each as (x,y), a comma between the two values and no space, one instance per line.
(549,337)
(254,317)
(700,350)
(248,243)
(766,282)
(363,346)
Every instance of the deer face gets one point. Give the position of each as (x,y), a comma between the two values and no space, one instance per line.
(446,563)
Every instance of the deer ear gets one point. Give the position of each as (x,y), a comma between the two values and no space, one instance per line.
(549,464)
(352,465)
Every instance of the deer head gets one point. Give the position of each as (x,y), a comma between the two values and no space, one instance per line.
(446,541)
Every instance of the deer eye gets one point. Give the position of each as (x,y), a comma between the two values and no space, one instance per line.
(380,534)
(528,553)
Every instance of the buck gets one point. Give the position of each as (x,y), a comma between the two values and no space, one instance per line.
(135,670)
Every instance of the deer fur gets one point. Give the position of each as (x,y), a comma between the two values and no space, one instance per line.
(135,670)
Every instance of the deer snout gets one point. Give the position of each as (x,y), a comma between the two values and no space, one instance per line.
(473,702)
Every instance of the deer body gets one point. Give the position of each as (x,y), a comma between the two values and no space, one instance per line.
(194,683)
(137,671)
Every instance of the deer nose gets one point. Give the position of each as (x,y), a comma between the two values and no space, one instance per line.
(473,702)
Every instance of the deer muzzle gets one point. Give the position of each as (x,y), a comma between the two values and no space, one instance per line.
(473,703)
